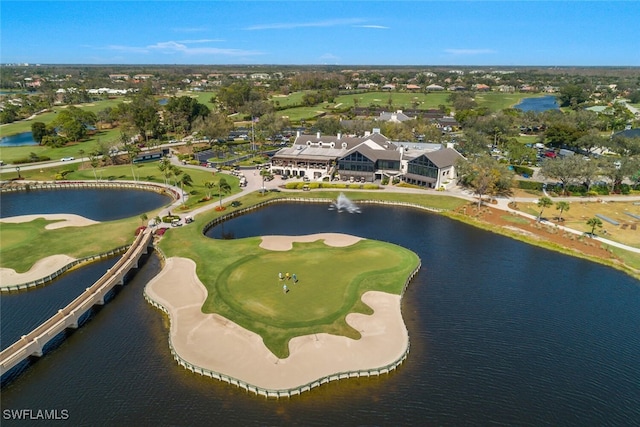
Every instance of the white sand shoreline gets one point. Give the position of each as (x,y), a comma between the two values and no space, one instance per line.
(217,344)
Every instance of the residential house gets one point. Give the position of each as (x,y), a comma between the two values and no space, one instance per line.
(395,117)
(434,87)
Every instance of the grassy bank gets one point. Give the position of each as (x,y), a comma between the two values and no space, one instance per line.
(24,244)
(149,172)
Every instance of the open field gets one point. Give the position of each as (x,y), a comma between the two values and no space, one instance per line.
(25,125)
(493,101)
(10,154)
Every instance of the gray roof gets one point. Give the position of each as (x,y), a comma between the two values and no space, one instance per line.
(373,154)
(444,158)
(311,152)
(629,133)
(397,116)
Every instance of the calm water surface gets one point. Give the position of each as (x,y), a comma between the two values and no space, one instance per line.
(97,204)
(17,140)
(539,104)
(501,333)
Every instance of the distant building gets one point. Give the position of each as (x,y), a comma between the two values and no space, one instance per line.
(395,117)
(434,87)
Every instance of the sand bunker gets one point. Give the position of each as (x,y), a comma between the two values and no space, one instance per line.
(50,264)
(218,344)
(285,243)
(62,220)
(42,268)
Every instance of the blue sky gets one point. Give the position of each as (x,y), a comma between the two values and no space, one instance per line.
(508,33)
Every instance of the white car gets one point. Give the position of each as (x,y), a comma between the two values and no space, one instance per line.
(66,159)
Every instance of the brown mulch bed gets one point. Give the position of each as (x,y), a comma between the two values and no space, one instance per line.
(534,230)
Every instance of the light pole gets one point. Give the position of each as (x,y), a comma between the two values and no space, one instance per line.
(18,170)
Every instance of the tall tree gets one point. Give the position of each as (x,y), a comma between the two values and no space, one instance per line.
(38,130)
(265,174)
(182,111)
(223,188)
(572,95)
(593,223)
(543,203)
(132,150)
(485,176)
(74,123)
(214,126)
(562,206)
(565,170)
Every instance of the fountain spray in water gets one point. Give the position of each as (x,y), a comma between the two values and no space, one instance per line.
(342,204)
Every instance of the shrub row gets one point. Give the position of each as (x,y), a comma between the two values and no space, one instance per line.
(315,185)
(519,169)
(530,185)
(32,159)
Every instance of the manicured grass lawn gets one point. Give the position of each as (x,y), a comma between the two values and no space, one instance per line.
(302,113)
(400,100)
(243,285)
(496,101)
(24,244)
(10,154)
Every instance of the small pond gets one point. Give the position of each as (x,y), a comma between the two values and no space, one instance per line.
(17,140)
(539,104)
(99,204)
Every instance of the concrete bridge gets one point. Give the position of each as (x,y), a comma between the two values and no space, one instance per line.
(33,343)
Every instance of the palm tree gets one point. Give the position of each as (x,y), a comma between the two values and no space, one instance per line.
(562,206)
(81,153)
(185,180)
(593,223)
(210,185)
(143,217)
(223,187)
(95,161)
(165,169)
(264,173)
(543,203)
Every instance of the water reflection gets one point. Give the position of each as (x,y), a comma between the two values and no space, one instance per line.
(99,204)
(501,333)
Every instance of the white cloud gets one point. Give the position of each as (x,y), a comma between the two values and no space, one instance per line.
(329,57)
(470,51)
(181,47)
(292,25)
(201,41)
(376,27)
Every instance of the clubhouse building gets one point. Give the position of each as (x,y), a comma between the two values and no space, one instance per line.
(366,159)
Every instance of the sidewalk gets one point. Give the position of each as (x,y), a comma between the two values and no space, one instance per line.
(254,183)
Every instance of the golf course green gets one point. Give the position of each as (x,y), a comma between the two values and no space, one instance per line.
(330,283)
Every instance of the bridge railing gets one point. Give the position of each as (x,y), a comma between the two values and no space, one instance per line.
(83,301)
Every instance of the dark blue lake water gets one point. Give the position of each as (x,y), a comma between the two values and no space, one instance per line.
(539,104)
(501,333)
(97,204)
(20,139)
